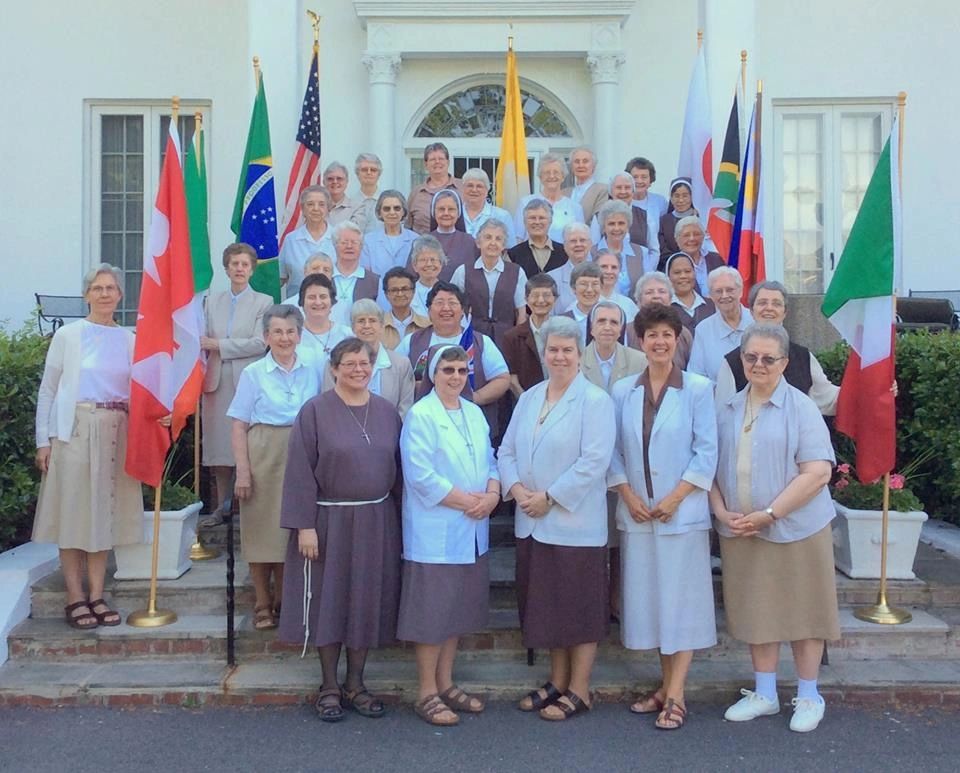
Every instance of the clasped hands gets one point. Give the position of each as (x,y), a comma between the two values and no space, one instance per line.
(745,524)
(662,511)
(532,503)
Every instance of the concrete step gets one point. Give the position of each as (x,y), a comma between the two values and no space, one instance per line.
(175,681)
(200,636)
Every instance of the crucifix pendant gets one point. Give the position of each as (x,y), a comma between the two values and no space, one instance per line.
(366,436)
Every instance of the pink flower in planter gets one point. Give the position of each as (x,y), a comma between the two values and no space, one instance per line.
(844,468)
(841,484)
(897,482)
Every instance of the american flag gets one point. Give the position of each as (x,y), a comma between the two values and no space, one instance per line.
(306,163)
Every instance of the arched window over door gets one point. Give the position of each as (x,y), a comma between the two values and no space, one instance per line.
(469,122)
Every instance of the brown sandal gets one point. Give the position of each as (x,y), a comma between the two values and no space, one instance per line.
(430,710)
(538,701)
(672,717)
(74,621)
(362,702)
(458,700)
(648,703)
(263,619)
(329,710)
(109,618)
(570,704)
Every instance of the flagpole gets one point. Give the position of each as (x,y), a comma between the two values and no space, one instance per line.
(256,73)
(882,612)
(743,69)
(151,617)
(199,551)
(699,39)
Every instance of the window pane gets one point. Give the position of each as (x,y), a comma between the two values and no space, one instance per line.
(134,127)
(860,145)
(111,213)
(803,203)
(111,249)
(113,128)
(478,112)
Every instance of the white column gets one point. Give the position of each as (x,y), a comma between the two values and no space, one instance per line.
(605,74)
(381,118)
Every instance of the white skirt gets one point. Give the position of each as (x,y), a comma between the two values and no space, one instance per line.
(667,592)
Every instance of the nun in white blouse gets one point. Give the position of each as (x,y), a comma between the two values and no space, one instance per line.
(451,485)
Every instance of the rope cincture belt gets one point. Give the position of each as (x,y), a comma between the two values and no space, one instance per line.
(308,569)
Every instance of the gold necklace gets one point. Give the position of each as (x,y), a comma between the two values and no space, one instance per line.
(753,419)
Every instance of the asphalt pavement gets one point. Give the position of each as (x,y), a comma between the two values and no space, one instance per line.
(501,739)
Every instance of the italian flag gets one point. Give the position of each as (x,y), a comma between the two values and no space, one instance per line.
(860,305)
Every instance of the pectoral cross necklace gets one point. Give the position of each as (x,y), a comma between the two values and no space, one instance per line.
(363,426)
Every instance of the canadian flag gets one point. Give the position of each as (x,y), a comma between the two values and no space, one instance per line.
(167,368)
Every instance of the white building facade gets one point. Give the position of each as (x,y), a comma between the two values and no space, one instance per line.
(89,97)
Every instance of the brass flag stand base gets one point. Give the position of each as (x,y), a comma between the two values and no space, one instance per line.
(151,617)
(200,552)
(881,612)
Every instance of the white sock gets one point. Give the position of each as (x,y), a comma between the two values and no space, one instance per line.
(807,688)
(766,684)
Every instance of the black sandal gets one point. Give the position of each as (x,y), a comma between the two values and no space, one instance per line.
(329,711)
(363,703)
(571,708)
(109,618)
(74,620)
(538,701)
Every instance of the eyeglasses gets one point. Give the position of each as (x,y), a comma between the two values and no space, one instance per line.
(449,370)
(101,290)
(399,291)
(391,208)
(767,360)
(445,304)
(354,366)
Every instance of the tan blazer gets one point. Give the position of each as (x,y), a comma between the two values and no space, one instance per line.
(245,344)
(594,197)
(626,363)
(396,382)
(392,337)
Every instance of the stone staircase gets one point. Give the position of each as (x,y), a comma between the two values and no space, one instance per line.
(185,663)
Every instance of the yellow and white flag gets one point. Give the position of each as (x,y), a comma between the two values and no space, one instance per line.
(513,171)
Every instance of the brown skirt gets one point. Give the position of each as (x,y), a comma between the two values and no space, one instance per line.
(438,601)
(780,591)
(87,501)
(562,594)
(262,539)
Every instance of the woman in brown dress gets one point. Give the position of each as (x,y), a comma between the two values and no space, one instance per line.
(342,571)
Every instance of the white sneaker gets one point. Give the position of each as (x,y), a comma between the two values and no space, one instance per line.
(751,706)
(807,714)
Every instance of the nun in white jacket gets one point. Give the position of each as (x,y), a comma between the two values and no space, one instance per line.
(451,485)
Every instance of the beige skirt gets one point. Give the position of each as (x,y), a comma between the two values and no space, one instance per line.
(217,426)
(262,539)
(86,500)
(780,591)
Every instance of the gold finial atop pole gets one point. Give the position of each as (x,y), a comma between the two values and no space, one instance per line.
(901,114)
(743,70)
(197,126)
(510,43)
(175,111)
(699,39)
(256,72)
(315,22)
(759,87)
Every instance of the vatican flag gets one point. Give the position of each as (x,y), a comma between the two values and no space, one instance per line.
(513,170)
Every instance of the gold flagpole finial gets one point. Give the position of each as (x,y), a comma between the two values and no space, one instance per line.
(743,55)
(175,111)
(902,99)
(699,39)
(759,87)
(256,72)
(315,22)
(198,120)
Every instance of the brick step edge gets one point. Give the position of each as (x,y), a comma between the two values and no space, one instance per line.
(715,695)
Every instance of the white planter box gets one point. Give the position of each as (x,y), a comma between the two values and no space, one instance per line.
(178,529)
(856,542)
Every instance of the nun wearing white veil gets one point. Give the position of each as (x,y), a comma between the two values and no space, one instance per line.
(451,485)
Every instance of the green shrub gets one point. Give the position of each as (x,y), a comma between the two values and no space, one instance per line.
(22,353)
(928,415)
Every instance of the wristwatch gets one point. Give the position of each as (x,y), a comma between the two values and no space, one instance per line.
(550,500)
(769,511)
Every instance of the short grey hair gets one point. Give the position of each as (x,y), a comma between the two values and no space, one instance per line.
(476,173)
(103,268)
(605,251)
(283,311)
(615,207)
(585,149)
(372,158)
(765,330)
(586,269)
(767,284)
(365,307)
(720,271)
(492,222)
(561,327)
(424,243)
(346,225)
(683,222)
(315,189)
(317,257)
(553,158)
(570,228)
(538,203)
(651,276)
(334,166)
(603,303)
(625,176)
